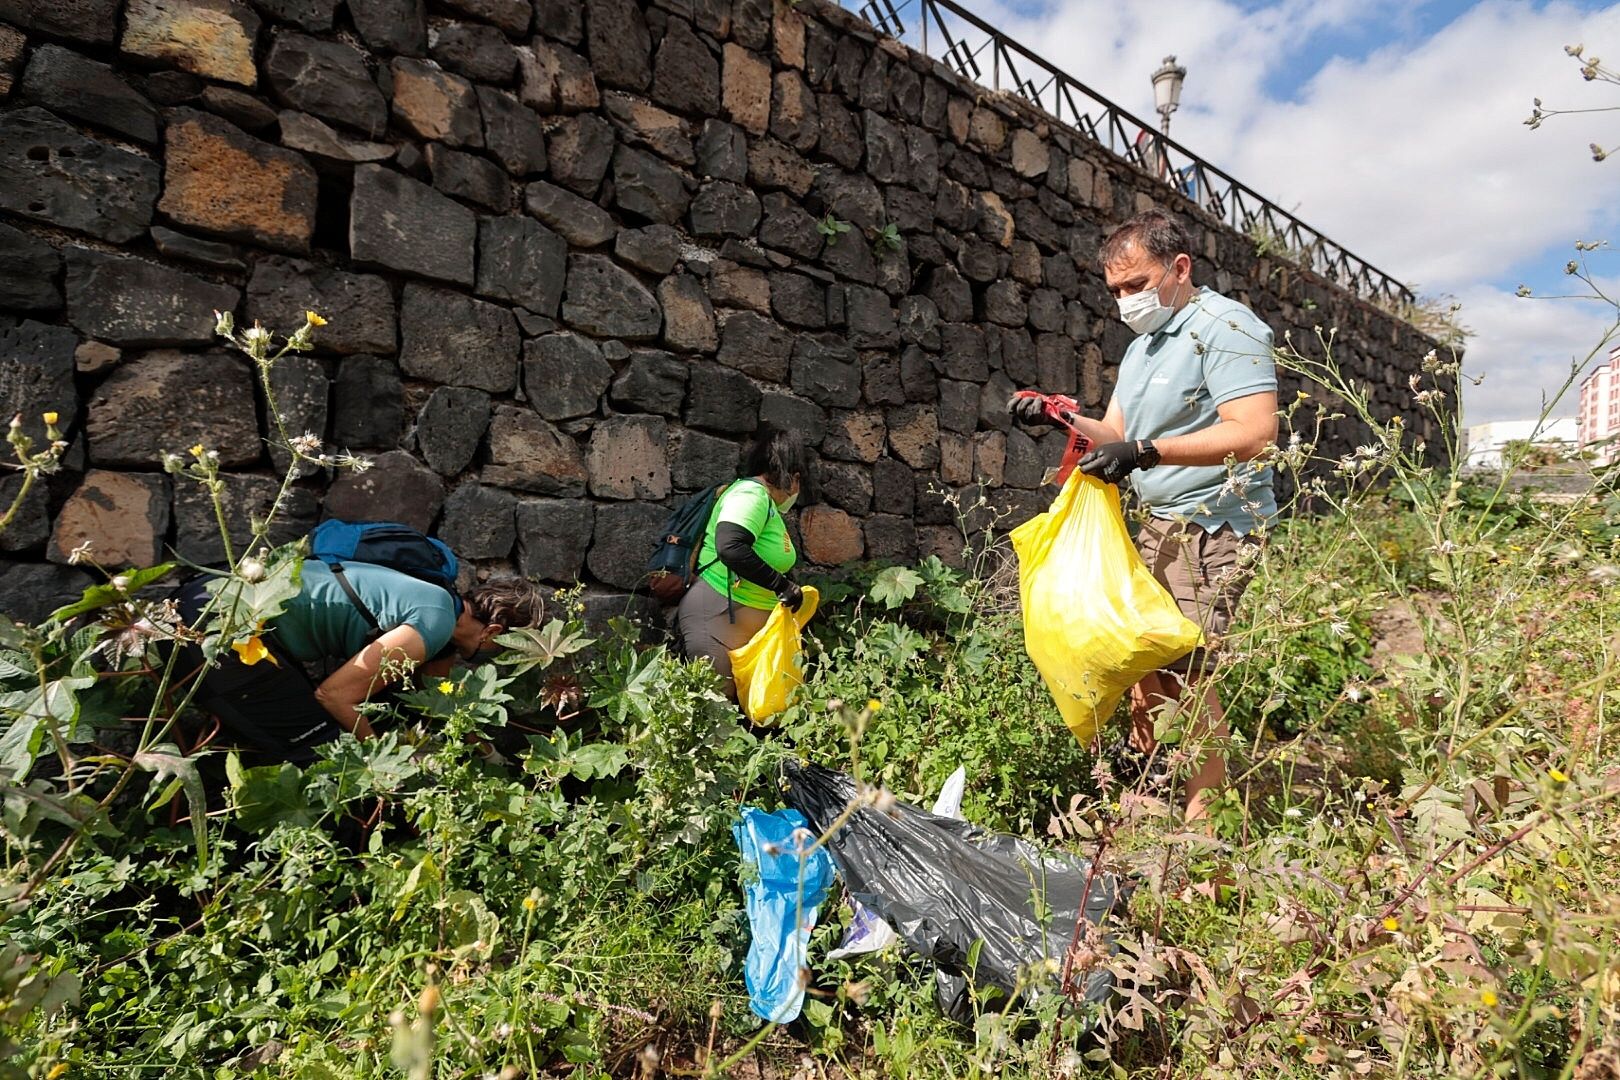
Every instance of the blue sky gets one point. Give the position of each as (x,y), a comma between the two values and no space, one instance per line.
(1396,127)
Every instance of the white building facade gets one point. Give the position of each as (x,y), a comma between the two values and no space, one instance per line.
(1483,443)
(1598,416)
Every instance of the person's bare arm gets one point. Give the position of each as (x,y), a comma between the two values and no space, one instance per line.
(1111,428)
(362,675)
(1247,426)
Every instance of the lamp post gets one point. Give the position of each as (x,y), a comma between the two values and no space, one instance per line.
(1166,97)
(1167,90)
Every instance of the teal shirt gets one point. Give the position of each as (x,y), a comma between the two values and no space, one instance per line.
(322,623)
(747,503)
(1171,382)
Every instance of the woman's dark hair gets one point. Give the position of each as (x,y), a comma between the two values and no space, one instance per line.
(506,601)
(778,456)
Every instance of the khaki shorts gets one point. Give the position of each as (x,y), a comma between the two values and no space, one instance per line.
(1206,573)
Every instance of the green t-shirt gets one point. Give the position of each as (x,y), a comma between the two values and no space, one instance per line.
(747,503)
(322,623)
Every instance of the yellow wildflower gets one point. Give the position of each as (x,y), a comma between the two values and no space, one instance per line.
(314,319)
(1300,1039)
(197,451)
(873,705)
(1488,999)
(253,650)
(50,419)
(57,1070)
(530,903)
(446,686)
(1558,775)
(1390,924)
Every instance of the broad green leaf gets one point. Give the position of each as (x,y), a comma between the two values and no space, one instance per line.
(895,585)
(99,596)
(165,760)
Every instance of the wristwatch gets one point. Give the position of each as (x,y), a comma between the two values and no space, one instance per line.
(1147,455)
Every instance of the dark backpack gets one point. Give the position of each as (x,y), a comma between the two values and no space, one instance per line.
(673,565)
(384,543)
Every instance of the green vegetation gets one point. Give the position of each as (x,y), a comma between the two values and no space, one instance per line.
(530,872)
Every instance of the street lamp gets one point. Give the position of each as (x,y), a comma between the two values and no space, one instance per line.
(1167,90)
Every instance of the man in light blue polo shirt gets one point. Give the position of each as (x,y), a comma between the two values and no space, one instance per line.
(1195,404)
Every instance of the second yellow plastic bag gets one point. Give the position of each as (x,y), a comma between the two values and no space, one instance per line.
(767,668)
(1095,618)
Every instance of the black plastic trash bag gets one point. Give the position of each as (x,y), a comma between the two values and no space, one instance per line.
(945,884)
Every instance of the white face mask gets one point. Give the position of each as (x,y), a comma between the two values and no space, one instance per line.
(787,504)
(1144,312)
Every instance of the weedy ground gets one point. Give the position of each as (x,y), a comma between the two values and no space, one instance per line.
(1414,872)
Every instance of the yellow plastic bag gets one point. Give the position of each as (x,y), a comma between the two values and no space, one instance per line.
(1095,618)
(767,668)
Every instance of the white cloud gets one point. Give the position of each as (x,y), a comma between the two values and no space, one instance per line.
(1414,156)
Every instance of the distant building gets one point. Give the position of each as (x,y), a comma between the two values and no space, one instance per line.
(1599,412)
(1483,443)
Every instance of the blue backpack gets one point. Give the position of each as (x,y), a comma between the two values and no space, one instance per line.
(673,565)
(384,543)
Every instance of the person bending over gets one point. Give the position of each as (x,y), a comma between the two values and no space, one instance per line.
(274,711)
(746,554)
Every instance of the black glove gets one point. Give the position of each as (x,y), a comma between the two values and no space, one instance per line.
(791,595)
(1028,410)
(1112,462)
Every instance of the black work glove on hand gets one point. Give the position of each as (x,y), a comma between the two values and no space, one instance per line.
(1028,410)
(791,595)
(1112,462)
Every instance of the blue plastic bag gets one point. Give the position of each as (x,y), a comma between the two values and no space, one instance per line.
(782,901)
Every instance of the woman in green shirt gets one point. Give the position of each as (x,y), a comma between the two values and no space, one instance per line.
(746,554)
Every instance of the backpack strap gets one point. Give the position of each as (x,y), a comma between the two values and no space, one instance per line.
(354,598)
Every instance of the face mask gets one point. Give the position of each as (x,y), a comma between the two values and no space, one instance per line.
(787,504)
(1144,312)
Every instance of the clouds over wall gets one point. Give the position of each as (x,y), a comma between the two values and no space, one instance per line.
(1398,133)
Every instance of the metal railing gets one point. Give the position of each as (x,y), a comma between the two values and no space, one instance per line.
(945,31)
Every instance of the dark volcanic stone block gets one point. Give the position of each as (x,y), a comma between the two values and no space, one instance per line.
(395,26)
(553,536)
(475,50)
(606,300)
(404,225)
(479,522)
(454,339)
(368,403)
(72,85)
(397,487)
(51,173)
(245,497)
(359,308)
(82,20)
(36,376)
(450,427)
(128,301)
(29,272)
(326,78)
(564,375)
(165,401)
(522,261)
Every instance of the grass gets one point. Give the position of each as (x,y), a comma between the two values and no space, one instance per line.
(1413,872)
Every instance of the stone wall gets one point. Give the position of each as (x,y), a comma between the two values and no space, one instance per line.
(570,255)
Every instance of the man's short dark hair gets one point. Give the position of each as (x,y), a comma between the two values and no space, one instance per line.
(778,456)
(506,601)
(1160,234)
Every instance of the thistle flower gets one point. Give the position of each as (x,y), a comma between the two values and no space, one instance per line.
(79,554)
(313,319)
(224,323)
(446,686)
(50,419)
